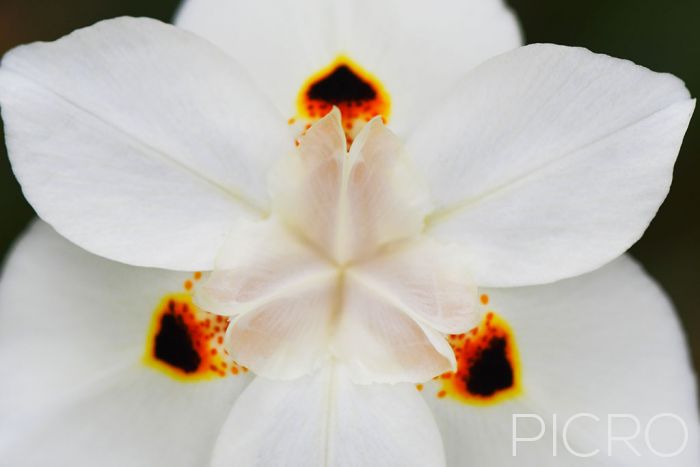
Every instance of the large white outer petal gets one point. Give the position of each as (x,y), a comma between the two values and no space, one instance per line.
(550,161)
(139,141)
(604,343)
(418,50)
(324,420)
(74,392)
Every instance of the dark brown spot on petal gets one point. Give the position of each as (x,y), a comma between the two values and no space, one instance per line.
(173,344)
(341,86)
(487,364)
(358,95)
(491,371)
(180,342)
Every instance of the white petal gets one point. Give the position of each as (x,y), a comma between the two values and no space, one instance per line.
(280,43)
(420,50)
(73,330)
(131,419)
(417,50)
(283,296)
(349,205)
(260,261)
(604,343)
(381,344)
(138,141)
(287,337)
(326,420)
(550,161)
(396,307)
(426,280)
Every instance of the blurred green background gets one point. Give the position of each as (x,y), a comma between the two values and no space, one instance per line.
(663,35)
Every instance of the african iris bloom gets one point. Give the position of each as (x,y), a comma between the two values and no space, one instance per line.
(376,217)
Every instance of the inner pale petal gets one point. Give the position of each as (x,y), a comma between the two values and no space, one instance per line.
(260,262)
(349,204)
(341,270)
(427,280)
(288,336)
(378,342)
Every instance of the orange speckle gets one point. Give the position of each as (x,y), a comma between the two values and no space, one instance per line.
(441,394)
(188,285)
(419,387)
(197,275)
(484,299)
(291,121)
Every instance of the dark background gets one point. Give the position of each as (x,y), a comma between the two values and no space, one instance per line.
(663,35)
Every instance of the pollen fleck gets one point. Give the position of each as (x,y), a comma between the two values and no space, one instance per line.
(358,95)
(484,299)
(488,367)
(180,342)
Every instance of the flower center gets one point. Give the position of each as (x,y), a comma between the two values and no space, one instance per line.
(341,269)
(487,364)
(185,342)
(358,94)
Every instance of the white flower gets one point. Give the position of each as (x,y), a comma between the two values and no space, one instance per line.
(147,145)
(73,331)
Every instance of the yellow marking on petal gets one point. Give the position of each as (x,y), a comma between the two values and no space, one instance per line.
(488,365)
(186,343)
(358,94)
